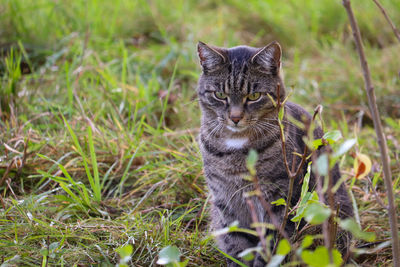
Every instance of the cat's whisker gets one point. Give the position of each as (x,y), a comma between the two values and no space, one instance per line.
(288,135)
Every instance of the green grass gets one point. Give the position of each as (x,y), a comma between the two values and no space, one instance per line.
(102,95)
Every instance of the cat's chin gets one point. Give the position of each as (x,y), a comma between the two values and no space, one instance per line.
(236,129)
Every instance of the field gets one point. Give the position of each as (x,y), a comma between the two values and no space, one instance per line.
(99,118)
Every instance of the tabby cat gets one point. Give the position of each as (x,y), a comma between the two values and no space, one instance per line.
(238,115)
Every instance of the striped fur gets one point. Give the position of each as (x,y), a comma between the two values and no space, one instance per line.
(239,72)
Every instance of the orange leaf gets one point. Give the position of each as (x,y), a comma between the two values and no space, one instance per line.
(362,165)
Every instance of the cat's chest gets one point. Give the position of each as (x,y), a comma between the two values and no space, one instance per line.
(235,143)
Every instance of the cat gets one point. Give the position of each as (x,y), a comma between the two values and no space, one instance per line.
(234,92)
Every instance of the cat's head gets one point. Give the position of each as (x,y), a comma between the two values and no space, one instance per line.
(237,84)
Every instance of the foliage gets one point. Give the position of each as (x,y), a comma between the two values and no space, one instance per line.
(98,121)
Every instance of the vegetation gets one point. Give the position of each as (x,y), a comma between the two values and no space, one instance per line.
(98,120)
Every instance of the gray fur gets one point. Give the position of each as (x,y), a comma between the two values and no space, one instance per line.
(238,72)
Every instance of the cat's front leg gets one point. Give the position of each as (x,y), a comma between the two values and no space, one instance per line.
(233,244)
(258,261)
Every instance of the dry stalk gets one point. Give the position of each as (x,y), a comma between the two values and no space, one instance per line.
(377,197)
(395,30)
(293,172)
(379,133)
(325,225)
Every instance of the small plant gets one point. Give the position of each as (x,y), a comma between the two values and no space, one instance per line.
(77,192)
(170,257)
(125,255)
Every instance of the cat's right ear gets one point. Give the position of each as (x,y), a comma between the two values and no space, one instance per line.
(211,58)
(268,58)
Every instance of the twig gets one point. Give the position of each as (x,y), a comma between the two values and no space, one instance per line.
(291,173)
(329,227)
(24,156)
(8,182)
(283,143)
(379,133)
(395,30)
(377,197)
(332,226)
(7,171)
(291,185)
(325,226)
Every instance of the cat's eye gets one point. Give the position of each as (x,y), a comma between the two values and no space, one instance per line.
(220,95)
(254,96)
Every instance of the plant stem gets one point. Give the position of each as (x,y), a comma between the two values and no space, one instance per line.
(395,30)
(379,132)
(291,173)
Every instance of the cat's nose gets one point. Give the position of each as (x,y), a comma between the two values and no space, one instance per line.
(236,115)
(236,119)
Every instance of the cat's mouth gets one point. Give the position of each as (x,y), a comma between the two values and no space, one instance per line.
(236,129)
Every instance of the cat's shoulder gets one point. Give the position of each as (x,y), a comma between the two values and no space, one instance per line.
(301,114)
(297,111)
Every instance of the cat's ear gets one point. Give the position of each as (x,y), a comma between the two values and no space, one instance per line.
(268,58)
(211,58)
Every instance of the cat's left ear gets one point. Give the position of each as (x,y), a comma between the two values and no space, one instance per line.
(268,58)
(212,58)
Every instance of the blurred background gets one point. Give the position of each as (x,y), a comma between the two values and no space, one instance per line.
(128,71)
(134,44)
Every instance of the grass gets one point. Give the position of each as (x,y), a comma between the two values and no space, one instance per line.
(98,106)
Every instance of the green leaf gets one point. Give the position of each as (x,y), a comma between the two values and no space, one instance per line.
(345,147)
(375,180)
(320,257)
(322,165)
(44,252)
(307,200)
(352,226)
(276,260)
(281,113)
(279,202)
(248,254)
(317,143)
(169,254)
(283,247)
(96,189)
(53,245)
(302,206)
(306,181)
(125,251)
(316,213)
(332,136)
(251,161)
(232,258)
(307,241)
(233,226)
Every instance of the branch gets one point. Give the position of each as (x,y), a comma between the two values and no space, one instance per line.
(379,133)
(377,197)
(325,226)
(395,30)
